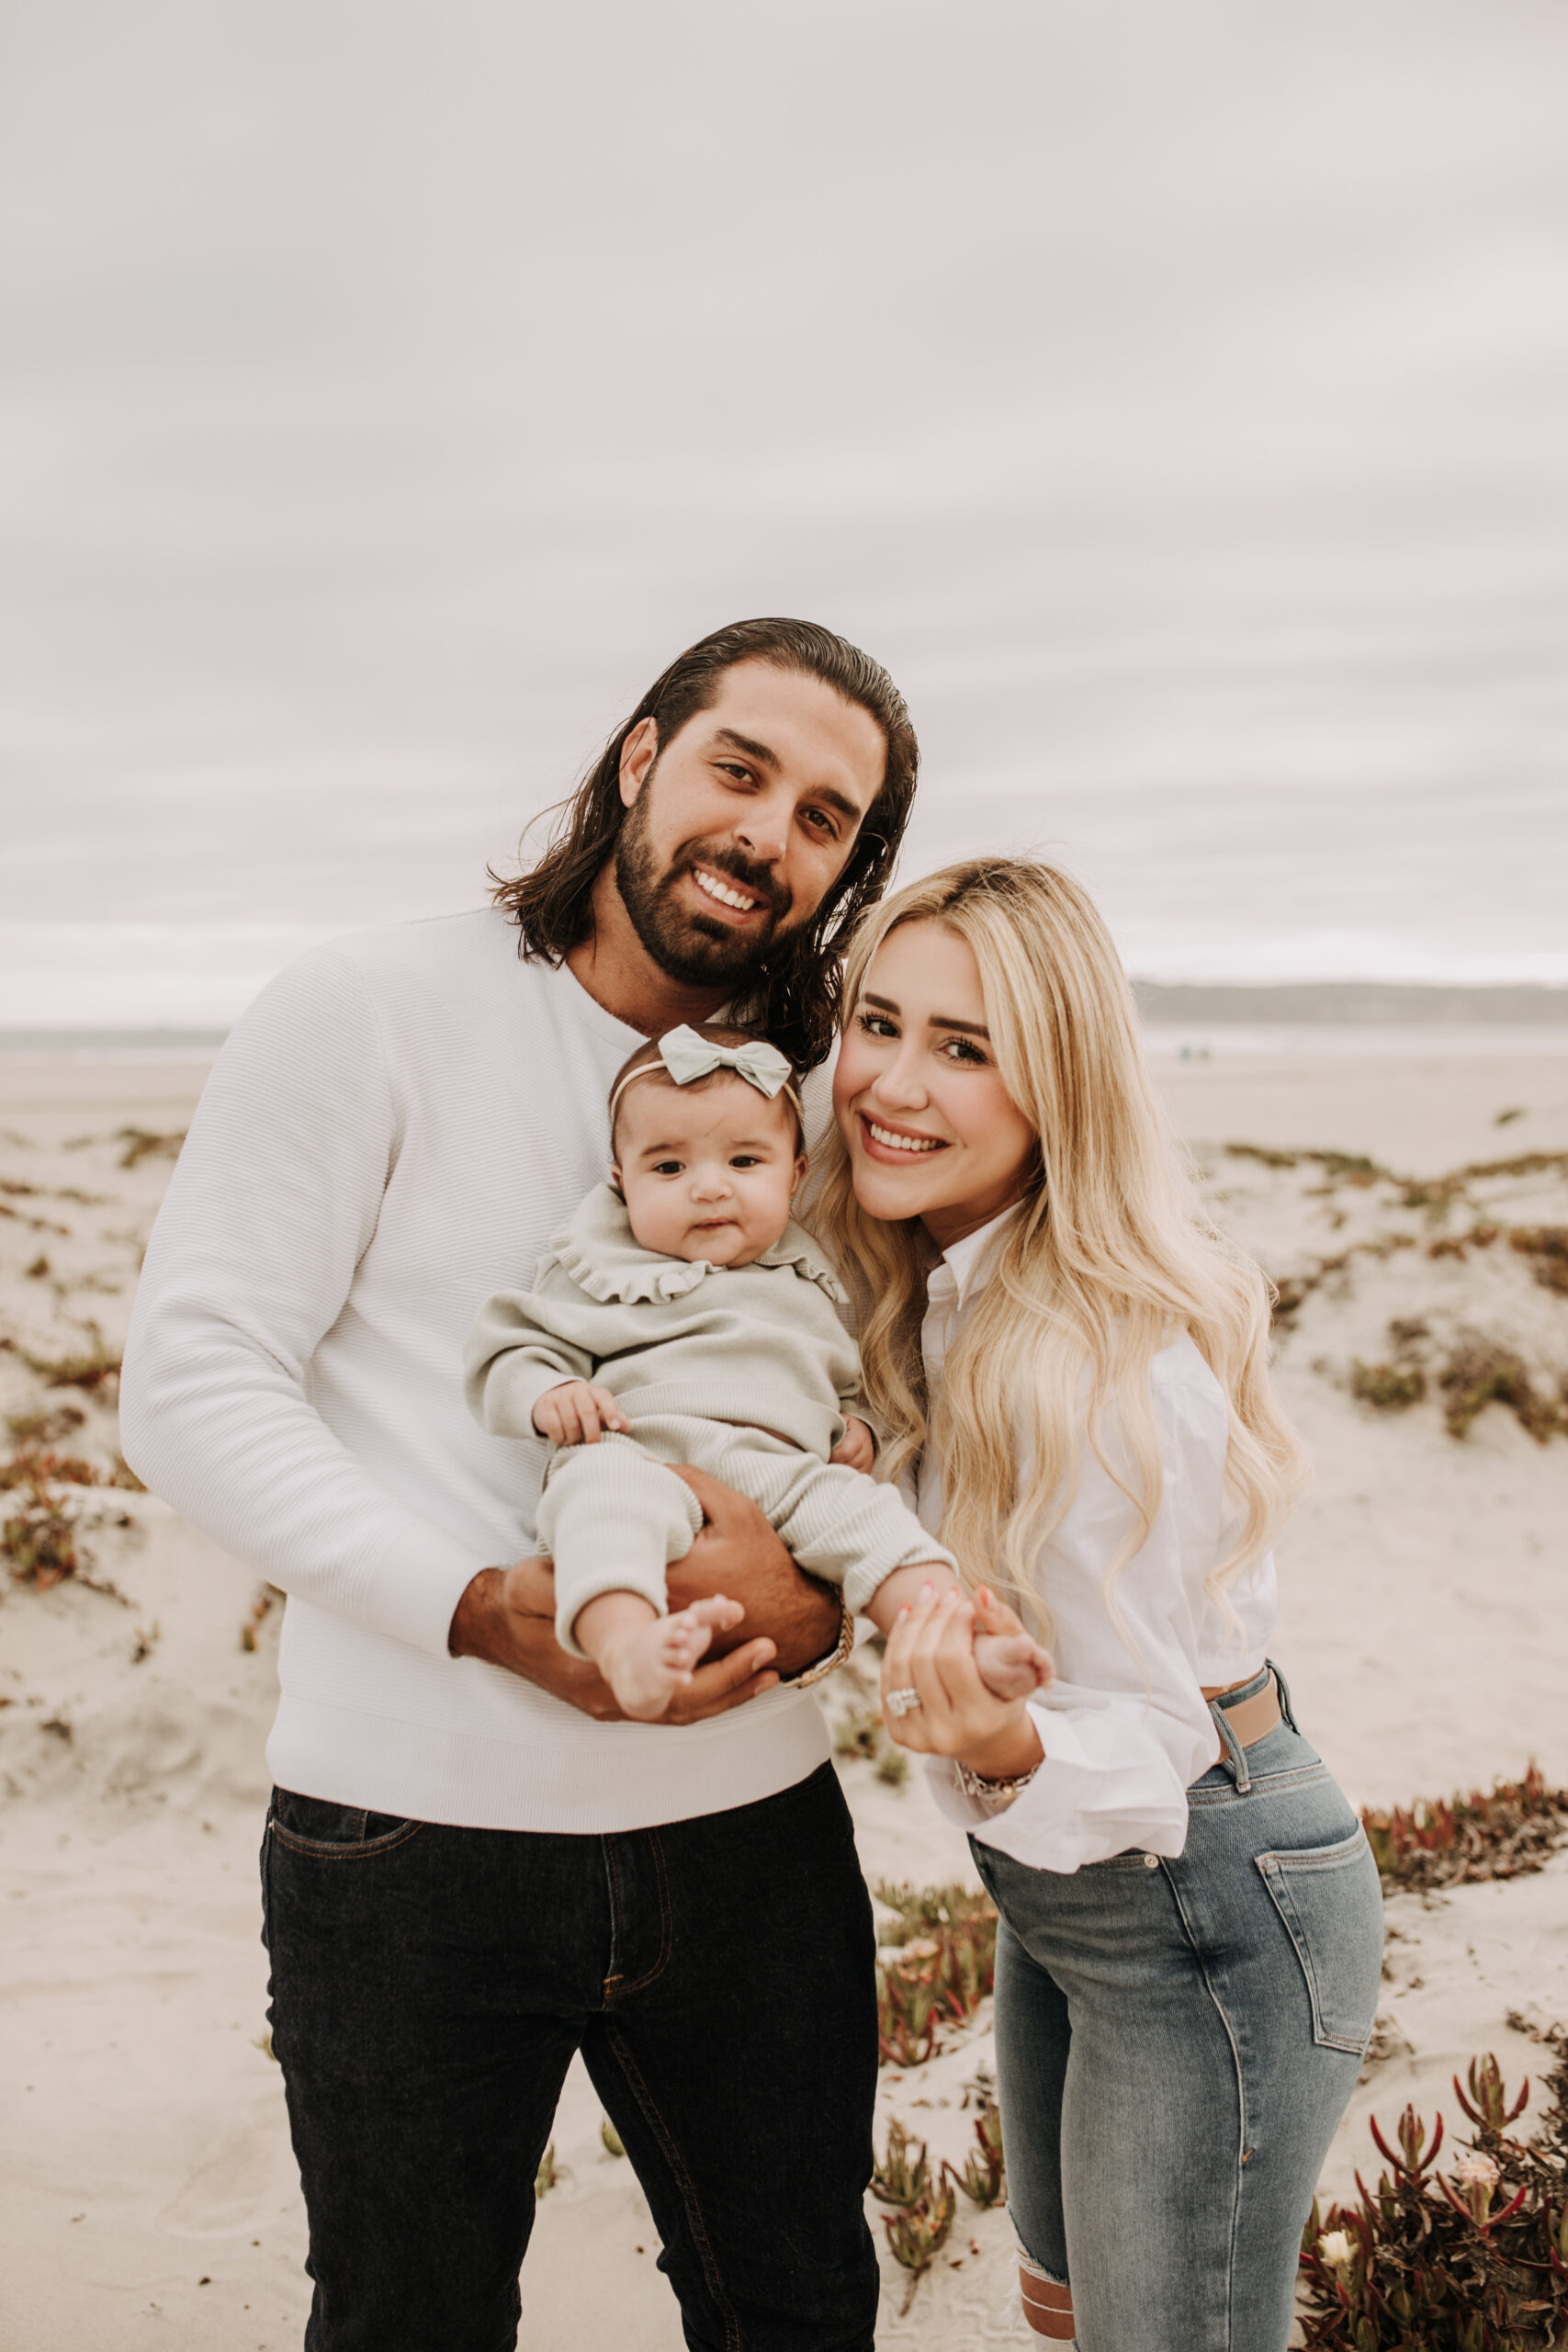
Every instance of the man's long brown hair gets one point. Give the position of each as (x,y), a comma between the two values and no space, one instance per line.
(795,996)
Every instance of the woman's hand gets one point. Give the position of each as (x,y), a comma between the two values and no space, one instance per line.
(930,1651)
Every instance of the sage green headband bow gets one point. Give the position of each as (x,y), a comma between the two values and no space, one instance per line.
(685,1056)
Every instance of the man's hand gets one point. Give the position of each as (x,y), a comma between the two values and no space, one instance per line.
(738,1554)
(576,1411)
(508,1617)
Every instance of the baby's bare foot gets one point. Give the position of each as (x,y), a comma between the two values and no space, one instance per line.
(646,1666)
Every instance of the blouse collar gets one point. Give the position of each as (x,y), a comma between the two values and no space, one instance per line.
(962,1272)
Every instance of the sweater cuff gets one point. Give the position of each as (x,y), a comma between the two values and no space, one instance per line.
(414,1587)
(512,1386)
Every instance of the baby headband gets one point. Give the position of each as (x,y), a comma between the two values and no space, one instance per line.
(684,1056)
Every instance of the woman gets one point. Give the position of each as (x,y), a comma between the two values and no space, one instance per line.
(1070,1365)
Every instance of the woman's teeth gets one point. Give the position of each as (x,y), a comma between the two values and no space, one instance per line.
(903,1143)
(715,888)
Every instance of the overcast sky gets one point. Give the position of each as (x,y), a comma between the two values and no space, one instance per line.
(1173,396)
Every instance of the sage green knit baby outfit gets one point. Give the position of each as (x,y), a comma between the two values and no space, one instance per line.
(744,1370)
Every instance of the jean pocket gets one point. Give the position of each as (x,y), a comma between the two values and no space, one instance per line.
(1330,1899)
(338,1833)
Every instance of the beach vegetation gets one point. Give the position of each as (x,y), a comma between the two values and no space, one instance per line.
(94,1368)
(141,1143)
(983,2177)
(37,1534)
(1389,1386)
(1470,2259)
(1480,1372)
(1434,1843)
(1547,1245)
(937,1970)
(902,2175)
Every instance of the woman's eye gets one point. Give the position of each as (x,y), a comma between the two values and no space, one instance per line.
(962,1050)
(875,1024)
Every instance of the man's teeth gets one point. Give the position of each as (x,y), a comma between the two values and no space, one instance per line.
(722,891)
(904,1143)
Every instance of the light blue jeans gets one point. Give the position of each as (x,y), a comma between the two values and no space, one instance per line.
(1176,2042)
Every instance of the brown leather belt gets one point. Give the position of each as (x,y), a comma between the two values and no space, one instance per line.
(1254,1718)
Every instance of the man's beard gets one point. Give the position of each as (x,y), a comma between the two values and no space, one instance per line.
(697,951)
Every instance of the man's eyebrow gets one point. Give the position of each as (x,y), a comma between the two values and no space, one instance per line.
(937,1021)
(767,758)
(761,753)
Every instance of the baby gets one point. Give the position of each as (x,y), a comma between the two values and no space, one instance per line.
(682,1316)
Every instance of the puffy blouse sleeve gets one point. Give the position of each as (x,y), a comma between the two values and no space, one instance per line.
(1124,1726)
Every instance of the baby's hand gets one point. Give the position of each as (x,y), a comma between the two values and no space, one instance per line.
(648,1665)
(576,1412)
(857,1448)
(1007,1660)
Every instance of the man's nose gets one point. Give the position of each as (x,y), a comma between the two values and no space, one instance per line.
(764,830)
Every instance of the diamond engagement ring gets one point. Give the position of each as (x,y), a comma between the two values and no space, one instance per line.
(902,1703)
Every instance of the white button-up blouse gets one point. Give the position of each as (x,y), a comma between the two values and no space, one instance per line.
(1124,1727)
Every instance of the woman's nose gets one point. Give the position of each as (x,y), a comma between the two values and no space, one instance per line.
(899,1084)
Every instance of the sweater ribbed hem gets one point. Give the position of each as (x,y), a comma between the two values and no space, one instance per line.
(622,1776)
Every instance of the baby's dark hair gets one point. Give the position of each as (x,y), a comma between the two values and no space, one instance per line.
(717,1032)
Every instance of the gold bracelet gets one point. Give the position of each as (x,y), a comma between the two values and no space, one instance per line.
(974,1784)
(824,1666)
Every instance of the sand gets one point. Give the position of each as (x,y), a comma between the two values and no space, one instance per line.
(147,2193)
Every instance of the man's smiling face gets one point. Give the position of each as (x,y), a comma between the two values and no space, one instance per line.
(738,828)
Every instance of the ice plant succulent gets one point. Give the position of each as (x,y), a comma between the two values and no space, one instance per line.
(1437,1841)
(1475,2260)
(941,1971)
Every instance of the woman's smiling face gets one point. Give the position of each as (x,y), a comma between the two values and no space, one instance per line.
(931,1131)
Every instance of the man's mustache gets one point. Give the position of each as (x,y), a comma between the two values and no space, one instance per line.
(755,879)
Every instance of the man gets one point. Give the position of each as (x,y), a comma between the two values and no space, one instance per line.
(470,1870)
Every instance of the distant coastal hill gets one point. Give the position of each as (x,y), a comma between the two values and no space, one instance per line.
(1326,1004)
(1315,1004)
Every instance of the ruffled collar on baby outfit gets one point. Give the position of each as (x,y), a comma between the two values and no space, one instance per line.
(597,1247)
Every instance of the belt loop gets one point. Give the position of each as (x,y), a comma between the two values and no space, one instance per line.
(1235,1756)
(1283,1688)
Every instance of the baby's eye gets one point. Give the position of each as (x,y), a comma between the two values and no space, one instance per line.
(745,1160)
(667,1167)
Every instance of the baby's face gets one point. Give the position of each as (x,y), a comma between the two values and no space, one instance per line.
(706,1171)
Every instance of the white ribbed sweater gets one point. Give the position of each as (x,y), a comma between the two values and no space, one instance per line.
(391,1133)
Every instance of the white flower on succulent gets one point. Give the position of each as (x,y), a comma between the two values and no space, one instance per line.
(1334,2248)
(1477,2171)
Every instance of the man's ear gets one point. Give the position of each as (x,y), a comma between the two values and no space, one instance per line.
(638,754)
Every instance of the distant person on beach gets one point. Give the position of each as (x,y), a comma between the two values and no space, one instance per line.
(1069,1365)
(682,1315)
(473,1867)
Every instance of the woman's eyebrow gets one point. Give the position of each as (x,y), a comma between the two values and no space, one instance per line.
(937,1021)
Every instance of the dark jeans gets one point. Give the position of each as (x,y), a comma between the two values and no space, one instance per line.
(429,1988)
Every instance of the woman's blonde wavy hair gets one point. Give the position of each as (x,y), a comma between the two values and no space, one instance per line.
(1110,1258)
